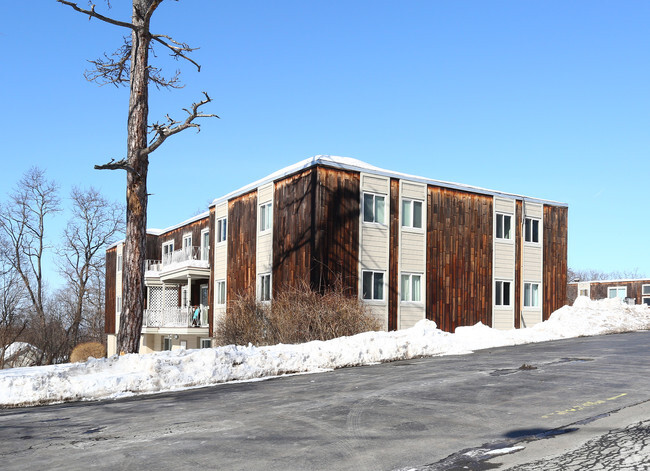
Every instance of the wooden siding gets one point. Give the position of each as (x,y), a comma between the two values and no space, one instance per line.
(571,293)
(393,255)
(459,258)
(598,290)
(242,232)
(293,229)
(109,312)
(177,234)
(337,229)
(555,259)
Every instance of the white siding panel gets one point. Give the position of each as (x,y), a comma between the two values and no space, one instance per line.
(532,263)
(530,317)
(413,190)
(504,318)
(412,252)
(220,262)
(534,210)
(264,253)
(504,261)
(222,210)
(380,312)
(504,205)
(265,193)
(410,314)
(374,184)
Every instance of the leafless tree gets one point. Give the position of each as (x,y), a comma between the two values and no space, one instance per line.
(13,319)
(22,231)
(130,64)
(596,275)
(94,225)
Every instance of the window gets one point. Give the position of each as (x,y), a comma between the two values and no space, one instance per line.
(221,293)
(584,292)
(205,244)
(119,262)
(531,230)
(264,287)
(167,343)
(205,343)
(412,213)
(373,285)
(411,289)
(374,208)
(265,217)
(187,245)
(185,301)
(503,226)
(502,293)
(531,294)
(645,294)
(617,292)
(222,230)
(167,251)
(118,305)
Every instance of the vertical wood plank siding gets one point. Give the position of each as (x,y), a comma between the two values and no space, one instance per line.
(109,312)
(154,250)
(213,237)
(598,290)
(337,210)
(459,258)
(571,293)
(555,258)
(242,238)
(519,256)
(393,255)
(293,228)
(177,234)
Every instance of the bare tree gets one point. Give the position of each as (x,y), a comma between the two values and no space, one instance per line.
(22,230)
(130,64)
(597,275)
(12,303)
(94,225)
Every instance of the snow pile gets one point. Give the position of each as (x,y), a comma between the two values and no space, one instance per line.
(165,371)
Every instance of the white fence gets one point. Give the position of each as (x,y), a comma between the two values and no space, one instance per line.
(175,317)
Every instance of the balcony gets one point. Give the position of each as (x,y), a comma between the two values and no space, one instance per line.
(180,264)
(174,317)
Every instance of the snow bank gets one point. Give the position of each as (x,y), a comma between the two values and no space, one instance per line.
(165,371)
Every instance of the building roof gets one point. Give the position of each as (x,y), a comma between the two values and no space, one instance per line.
(347,163)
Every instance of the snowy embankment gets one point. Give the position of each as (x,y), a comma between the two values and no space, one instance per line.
(165,371)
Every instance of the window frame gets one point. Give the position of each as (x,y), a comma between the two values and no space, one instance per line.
(222,230)
(165,342)
(265,223)
(529,285)
(643,290)
(373,284)
(203,341)
(501,226)
(260,288)
(410,277)
(529,231)
(170,249)
(374,208)
(498,291)
(205,249)
(412,205)
(219,286)
(617,288)
(118,304)
(119,262)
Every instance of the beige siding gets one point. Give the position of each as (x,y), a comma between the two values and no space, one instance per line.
(264,246)
(374,247)
(379,312)
(504,205)
(265,193)
(534,210)
(374,184)
(221,249)
(504,260)
(504,318)
(415,191)
(532,263)
(412,252)
(410,314)
(530,317)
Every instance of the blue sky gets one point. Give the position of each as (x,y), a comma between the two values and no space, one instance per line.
(549,99)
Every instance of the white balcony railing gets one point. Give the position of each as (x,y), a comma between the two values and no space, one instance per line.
(175,317)
(186,254)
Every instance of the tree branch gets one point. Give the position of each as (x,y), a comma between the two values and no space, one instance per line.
(93,14)
(163,131)
(178,49)
(119,165)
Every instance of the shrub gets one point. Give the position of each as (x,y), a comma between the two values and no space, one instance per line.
(83,351)
(296,315)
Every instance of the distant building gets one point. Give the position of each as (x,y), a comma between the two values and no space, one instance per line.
(410,247)
(633,291)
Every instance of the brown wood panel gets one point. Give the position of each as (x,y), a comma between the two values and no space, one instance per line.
(571,293)
(459,258)
(293,228)
(393,255)
(109,311)
(336,244)
(154,249)
(598,289)
(177,234)
(242,244)
(555,259)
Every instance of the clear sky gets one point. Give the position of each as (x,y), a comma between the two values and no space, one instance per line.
(549,99)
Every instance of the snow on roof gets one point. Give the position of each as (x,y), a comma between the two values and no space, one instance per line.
(348,163)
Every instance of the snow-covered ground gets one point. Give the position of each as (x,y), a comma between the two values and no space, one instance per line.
(166,371)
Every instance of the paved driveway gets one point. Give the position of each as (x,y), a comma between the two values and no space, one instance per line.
(381,417)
